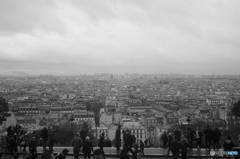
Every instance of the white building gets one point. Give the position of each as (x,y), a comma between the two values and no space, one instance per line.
(140,132)
(83,115)
(106,118)
(99,130)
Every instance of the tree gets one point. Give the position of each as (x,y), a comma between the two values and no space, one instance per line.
(3,105)
(3,109)
(88,106)
(86,130)
(62,136)
(236,109)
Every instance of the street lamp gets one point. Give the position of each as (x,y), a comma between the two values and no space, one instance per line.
(71,120)
(188,120)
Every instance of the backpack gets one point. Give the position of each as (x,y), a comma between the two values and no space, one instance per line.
(174,147)
(184,148)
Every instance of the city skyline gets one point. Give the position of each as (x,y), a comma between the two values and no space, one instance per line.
(146,37)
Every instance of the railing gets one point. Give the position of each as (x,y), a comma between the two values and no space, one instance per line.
(110,153)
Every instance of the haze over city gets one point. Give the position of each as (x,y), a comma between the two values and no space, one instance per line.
(139,36)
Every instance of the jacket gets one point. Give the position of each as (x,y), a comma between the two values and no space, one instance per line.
(87,147)
(228,145)
(77,143)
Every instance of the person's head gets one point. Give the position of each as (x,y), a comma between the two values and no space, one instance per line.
(77,134)
(87,138)
(33,138)
(135,147)
(65,151)
(229,137)
(103,134)
(98,154)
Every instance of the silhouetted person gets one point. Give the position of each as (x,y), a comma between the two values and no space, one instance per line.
(147,143)
(174,148)
(177,134)
(170,139)
(164,139)
(33,147)
(101,141)
(191,137)
(199,138)
(87,148)
(44,136)
(128,139)
(77,144)
(108,142)
(228,145)
(184,147)
(51,138)
(136,151)
(208,137)
(216,138)
(10,131)
(118,138)
(141,146)
(12,143)
(22,140)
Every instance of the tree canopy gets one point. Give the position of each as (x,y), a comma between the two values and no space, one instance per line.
(86,130)
(236,108)
(3,109)
(3,105)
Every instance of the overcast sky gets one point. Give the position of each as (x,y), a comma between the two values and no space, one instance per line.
(118,36)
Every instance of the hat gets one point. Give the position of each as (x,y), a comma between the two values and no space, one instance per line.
(87,138)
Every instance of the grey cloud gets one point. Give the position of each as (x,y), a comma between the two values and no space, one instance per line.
(27,16)
(99,36)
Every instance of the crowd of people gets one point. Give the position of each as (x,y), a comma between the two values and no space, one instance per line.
(16,139)
(177,141)
(194,137)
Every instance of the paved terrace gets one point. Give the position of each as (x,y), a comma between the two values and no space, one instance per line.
(149,152)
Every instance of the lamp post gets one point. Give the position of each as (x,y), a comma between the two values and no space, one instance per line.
(188,120)
(71,120)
